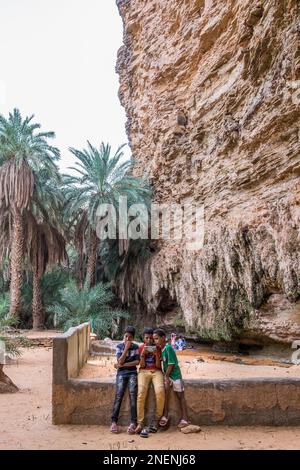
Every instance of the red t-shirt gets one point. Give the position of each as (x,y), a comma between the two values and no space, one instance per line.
(150,361)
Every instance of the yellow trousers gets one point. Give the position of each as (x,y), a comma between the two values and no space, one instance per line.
(145,378)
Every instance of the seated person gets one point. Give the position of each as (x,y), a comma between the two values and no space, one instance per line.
(128,358)
(173,378)
(181,343)
(149,372)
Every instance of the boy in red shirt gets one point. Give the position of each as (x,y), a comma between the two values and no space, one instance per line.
(149,372)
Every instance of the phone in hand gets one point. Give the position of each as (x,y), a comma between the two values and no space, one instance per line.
(150,348)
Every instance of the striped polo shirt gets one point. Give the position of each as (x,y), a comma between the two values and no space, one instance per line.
(132,355)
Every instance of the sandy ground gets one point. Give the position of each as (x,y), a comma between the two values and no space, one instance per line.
(25,419)
(31,334)
(213,366)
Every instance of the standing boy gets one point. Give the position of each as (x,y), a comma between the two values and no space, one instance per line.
(149,372)
(127,355)
(173,378)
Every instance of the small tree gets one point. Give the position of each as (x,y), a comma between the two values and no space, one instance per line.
(77,306)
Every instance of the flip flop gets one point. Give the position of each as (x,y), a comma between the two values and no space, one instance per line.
(131,429)
(153,428)
(144,433)
(114,428)
(138,429)
(163,421)
(183,424)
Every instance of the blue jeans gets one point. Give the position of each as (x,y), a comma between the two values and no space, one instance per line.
(122,383)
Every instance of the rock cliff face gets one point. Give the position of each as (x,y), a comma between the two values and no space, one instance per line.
(212,94)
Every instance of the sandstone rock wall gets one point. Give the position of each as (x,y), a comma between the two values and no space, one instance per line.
(211,90)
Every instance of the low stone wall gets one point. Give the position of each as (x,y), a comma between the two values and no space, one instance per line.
(227,402)
(70,352)
(253,401)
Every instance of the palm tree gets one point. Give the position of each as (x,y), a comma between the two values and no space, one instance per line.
(101,179)
(24,152)
(46,246)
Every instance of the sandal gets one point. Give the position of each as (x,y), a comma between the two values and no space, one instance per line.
(183,424)
(131,428)
(144,433)
(153,428)
(138,429)
(163,421)
(114,428)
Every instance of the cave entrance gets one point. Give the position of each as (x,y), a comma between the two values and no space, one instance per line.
(166,302)
(167,313)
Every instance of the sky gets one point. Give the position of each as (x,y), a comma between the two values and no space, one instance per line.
(57,61)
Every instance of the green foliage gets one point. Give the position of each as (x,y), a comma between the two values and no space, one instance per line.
(51,284)
(19,140)
(4,306)
(4,276)
(227,325)
(55,210)
(113,263)
(77,306)
(101,178)
(12,341)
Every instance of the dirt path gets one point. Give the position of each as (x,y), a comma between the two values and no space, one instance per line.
(210,366)
(25,419)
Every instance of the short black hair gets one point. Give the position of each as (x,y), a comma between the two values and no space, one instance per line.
(159,332)
(148,331)
(131,330)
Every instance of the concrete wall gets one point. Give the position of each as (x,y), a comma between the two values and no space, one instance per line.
(259,401)
(228,402)
(70,352)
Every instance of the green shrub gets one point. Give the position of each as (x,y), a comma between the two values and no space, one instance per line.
(11,341)
(76,306)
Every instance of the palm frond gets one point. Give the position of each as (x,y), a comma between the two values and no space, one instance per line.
(88,304)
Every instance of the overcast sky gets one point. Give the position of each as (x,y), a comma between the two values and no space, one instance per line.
(57,60)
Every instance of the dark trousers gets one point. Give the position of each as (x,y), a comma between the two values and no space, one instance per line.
(121,384)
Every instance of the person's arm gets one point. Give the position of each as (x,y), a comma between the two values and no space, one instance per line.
(142,361)
(122,358)
(171,363)
(129,364)
(169,371)
(133,363)
(157,359)
(142,358)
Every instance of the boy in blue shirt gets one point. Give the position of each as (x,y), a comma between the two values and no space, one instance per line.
(128,358)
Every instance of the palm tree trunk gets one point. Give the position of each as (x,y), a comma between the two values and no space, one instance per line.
(16,263)
(37,305)
(92,260)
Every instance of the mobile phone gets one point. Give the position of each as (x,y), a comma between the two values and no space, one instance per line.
(150,348)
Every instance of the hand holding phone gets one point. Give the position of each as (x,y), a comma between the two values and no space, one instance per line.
(150,349)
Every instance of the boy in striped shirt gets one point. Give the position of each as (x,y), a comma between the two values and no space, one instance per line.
(128,358)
